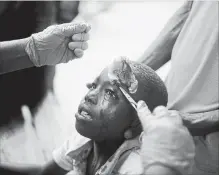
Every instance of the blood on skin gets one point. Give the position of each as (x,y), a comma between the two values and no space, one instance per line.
(120,72)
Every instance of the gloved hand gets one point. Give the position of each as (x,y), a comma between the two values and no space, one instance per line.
(54,44)
(165,141)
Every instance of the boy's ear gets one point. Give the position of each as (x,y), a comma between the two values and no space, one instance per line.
(134,130)
(128,134)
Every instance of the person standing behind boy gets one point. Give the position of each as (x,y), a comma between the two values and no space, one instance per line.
(190,41)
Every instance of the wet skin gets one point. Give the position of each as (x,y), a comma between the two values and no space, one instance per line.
(107,113)
(103,116)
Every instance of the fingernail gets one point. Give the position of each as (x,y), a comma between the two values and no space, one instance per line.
(79,53)
(141,104)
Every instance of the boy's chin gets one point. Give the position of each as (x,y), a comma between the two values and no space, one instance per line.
(84,130)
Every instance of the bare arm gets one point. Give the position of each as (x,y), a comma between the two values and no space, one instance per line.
(50,169)
(49,47)
(160,51)
(13,56)
(201,123)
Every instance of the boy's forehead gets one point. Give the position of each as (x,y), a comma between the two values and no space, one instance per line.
(103,76)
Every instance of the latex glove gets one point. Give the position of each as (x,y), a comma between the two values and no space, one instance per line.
(53,45)
(165,140)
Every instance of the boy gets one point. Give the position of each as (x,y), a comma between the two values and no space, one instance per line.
(112,126)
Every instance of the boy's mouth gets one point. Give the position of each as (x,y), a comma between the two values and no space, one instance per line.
(83,114)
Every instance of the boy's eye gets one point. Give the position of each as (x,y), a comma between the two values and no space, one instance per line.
(91,86)
(110,93)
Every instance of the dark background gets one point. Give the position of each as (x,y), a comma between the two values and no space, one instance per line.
(19,20)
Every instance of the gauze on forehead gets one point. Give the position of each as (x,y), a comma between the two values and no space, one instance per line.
(121,72)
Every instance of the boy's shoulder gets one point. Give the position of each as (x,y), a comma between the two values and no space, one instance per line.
(72,156)
(129,163)
(126,159)
(73,152)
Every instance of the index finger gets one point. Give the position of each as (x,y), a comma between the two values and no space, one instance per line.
(144,113)
(70,29)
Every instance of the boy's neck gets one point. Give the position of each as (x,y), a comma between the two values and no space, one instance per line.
(102,151)
(106,148)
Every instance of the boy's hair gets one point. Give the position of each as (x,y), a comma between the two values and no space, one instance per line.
(150,86)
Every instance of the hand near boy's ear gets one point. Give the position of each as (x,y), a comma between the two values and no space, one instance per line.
(58,44)
(165,140)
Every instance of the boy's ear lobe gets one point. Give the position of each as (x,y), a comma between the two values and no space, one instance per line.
(128,134)
(134,130)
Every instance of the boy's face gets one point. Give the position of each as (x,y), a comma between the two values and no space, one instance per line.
(104,113)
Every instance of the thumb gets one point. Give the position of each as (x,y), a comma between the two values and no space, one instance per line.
(70,29)
(143,113)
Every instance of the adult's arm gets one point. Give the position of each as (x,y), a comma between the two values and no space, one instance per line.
(160,50)
(12,53)
(200,124)
(56,44)
(13,56)
(50,169)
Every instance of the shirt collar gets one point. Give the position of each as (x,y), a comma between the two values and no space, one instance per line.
(80,148)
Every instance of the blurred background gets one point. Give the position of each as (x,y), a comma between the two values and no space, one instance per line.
(53,93)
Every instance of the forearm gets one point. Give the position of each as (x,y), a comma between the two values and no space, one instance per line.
(51,168)
(15,170)
(201,123)
(13,56)
(161,49)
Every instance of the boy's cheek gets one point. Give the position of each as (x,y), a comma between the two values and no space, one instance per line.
(106,106)
(104,114)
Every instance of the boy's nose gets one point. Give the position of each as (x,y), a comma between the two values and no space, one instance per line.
(91,98)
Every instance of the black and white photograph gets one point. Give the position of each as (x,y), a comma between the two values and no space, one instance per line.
(109,87)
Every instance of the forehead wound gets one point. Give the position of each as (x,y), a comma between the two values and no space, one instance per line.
(121,72)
